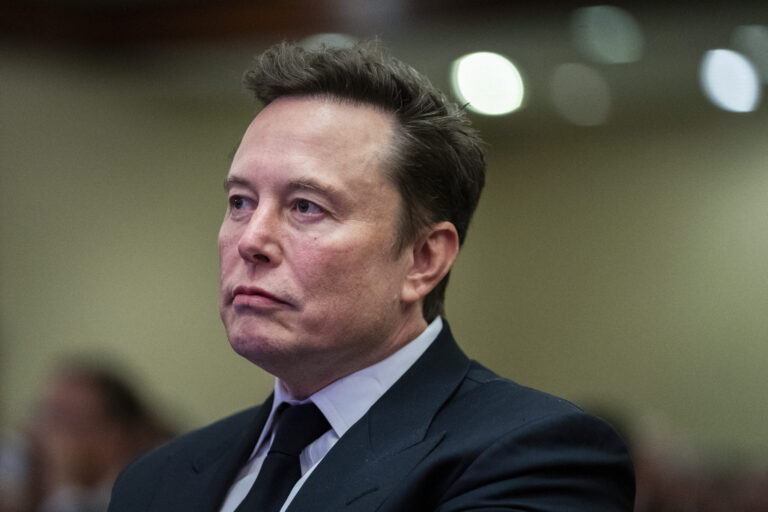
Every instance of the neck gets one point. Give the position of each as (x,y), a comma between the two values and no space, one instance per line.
(302,382)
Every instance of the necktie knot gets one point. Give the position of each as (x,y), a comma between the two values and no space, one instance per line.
(298,425)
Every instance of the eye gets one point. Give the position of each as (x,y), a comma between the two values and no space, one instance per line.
(236,202)
(306,206)
(240,206)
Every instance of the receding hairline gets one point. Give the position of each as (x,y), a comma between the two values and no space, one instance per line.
(331,97)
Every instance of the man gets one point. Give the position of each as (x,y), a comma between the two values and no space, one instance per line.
(349,197)
(88,425)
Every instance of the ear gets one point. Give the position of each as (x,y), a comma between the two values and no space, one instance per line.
(433,255)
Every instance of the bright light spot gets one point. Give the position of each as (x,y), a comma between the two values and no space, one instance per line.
(488,82)
(730,80)
(317,41)
(580,94)
(752,41)
(607,34)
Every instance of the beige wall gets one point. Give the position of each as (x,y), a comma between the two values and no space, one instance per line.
(621,265)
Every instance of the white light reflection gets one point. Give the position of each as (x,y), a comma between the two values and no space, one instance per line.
(488,82)
(730,81)
(607,34)
(580,94)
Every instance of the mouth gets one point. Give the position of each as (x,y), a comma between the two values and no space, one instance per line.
(255,297)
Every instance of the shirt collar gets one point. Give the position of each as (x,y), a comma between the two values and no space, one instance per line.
(346,400)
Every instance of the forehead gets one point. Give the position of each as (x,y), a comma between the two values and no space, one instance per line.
(326,127)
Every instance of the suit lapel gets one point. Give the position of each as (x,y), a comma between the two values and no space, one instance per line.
(393,437)
(203,478)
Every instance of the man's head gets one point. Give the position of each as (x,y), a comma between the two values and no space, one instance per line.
(348,199)
(436,161)
(88,425)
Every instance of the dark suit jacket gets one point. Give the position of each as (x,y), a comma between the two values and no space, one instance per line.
(449,435)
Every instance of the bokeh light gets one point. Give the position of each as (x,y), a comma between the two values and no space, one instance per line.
(488,82)
(580,94)
(730,80)
(607,34)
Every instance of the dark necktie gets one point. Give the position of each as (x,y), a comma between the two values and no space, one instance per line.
(297,426)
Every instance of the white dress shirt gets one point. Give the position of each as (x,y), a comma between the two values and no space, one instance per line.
(342,402)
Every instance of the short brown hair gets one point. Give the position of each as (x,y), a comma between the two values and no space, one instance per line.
(437,165)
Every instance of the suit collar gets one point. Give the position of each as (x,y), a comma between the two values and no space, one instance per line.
(235,453)
(360,469)
(348,399)
(403,415)
(201,479)
(377,451)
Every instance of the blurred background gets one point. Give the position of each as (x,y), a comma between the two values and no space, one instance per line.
(617,258)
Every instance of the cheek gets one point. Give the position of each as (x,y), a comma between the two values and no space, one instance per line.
(319,269)
(227,251)
(347,275)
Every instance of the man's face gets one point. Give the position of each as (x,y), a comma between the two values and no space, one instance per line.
(310,282)
(72,434)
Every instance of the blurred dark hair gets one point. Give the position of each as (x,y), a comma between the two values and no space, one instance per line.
(121,404)
(437,162)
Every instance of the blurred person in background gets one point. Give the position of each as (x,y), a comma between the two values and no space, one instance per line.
(752,489)
(88,424)
(674,474)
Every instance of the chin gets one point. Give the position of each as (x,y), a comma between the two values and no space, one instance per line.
(259,348)
(257,352)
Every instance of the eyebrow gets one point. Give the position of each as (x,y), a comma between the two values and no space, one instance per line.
(313,186)
(232,181)
(309,184)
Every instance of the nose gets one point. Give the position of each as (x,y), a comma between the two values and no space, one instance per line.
(260,240)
